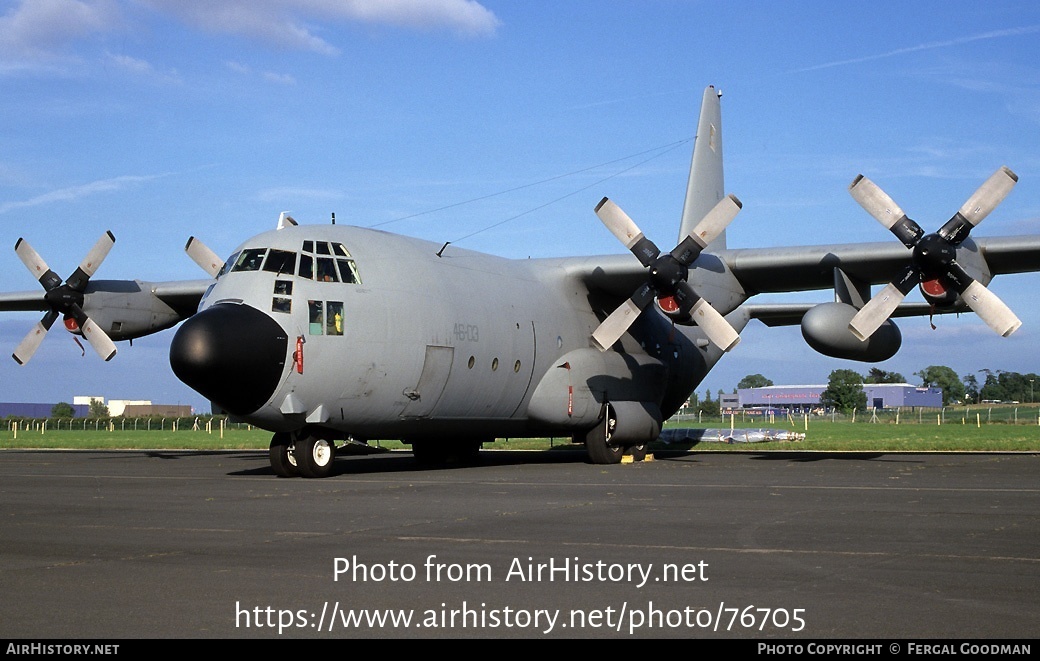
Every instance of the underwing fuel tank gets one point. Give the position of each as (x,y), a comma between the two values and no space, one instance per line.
(825,328)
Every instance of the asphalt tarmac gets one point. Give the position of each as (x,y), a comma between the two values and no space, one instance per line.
(197,545)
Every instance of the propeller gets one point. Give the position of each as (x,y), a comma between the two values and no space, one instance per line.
(65,298)
(668,273)
(934,256)
(201,254)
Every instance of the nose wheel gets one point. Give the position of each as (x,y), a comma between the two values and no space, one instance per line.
(283,458)
(302,454)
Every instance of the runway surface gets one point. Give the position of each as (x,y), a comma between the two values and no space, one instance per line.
(116,545)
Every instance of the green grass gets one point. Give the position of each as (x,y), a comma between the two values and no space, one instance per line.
(957,435)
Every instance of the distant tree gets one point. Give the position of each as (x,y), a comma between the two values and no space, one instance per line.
(63,410)
(709,405)
(940,376)
(754,381)
(1008,386)
(845,391)
(98,409)
(877,375)
(991,388)
(971,388)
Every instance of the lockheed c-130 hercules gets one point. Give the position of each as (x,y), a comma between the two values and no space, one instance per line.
(319,334)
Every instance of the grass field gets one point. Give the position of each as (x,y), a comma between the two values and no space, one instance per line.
(959,433)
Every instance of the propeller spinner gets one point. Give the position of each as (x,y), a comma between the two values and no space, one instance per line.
(668,273)
(65,298)
(933,256)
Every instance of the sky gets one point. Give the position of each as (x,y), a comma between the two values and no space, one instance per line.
(499,126)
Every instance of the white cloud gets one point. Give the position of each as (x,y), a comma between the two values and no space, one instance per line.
(960,41)
(77,192)
(290,23)
(42,28)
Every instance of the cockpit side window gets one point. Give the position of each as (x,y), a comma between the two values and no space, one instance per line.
(250,259)
(228,264)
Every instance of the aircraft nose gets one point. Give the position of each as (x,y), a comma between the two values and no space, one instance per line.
(234,355)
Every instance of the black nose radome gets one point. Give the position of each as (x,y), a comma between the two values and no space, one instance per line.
(233,355)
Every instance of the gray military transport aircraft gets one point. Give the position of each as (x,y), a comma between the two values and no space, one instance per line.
(327,334)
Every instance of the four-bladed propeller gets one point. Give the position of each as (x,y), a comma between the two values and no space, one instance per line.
(668,273)
(65,298)
(934,256)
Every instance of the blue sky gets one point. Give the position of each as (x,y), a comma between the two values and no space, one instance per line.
(158,120)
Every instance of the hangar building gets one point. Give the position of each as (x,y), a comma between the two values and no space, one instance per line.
(879,396)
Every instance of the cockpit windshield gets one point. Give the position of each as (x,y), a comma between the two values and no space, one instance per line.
(324,261)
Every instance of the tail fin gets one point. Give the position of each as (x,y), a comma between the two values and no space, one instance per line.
(705,187)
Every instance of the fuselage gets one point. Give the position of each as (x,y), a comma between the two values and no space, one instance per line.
(378,336)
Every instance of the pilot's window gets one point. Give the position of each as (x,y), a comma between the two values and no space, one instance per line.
(340,250)
(326,270)
(281,304)
(228,264)
(307,267)
(250,260)
(280,261)
(348,272)
(308,246)
(323,248)
(315,317)
(283,287)
(334,318)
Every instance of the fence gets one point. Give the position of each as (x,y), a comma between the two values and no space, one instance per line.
(974,415)
(208,424)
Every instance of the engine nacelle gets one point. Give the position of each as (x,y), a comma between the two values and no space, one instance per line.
(825,328)
(126,309)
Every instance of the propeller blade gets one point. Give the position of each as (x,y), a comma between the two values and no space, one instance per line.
(991,309)
(706,231)
(39,269)
(988,196)
(985,303)
(621,319)
(203,256)
(991,193)
(880,308)
(627,232)
(98,339)
(884,209)
(31,342)
(89,266)
(714,325)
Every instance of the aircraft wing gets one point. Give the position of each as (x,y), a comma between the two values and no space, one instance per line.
(790,314)
(22,301)
(804,268)
(181,295)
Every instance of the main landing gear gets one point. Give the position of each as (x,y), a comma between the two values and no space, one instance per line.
(302,454)
(602,449)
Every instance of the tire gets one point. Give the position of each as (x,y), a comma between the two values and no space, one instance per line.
(638,452)
(599,448)
(283,461)
(314,456)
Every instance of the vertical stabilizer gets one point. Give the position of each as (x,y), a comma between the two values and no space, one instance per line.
(705,187)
